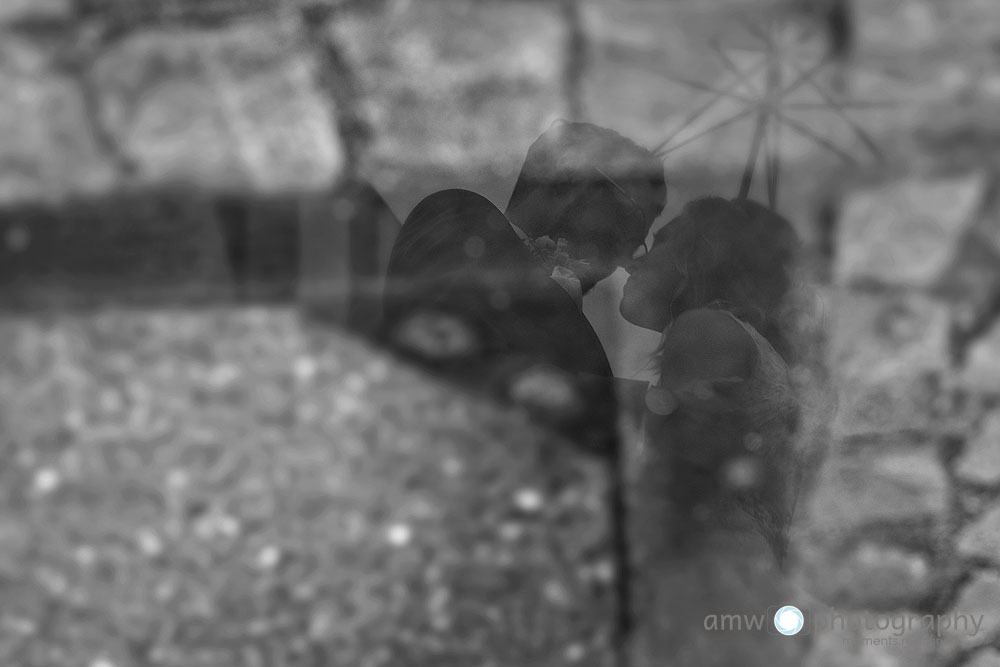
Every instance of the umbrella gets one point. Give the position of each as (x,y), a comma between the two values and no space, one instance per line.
(769,91)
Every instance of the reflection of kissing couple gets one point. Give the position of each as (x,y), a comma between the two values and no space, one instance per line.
(494,297)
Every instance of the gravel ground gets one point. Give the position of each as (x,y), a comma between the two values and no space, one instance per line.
(233,487)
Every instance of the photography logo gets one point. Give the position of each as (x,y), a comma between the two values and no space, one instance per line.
(789,620)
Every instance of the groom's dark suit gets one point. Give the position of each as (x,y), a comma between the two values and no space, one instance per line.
(458,254)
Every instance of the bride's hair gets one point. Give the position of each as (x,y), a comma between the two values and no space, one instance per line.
(737,255)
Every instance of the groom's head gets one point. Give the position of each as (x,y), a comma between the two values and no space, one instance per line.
(592,187)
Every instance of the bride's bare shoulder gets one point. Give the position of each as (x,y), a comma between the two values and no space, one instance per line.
(708,343)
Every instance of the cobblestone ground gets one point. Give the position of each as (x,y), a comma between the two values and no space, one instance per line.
(233,488)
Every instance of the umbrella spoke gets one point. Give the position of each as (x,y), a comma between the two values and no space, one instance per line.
(718,126)
(807,132)
(771,102)
(769,170)
(730,64)
(805,34)
(676,78)
(703,87)
(835,106)
(753,29)
(661,148)
(773,152)
(803,77)
(727,91)
(772,149)
(764,112)
(755,143)
(843,104)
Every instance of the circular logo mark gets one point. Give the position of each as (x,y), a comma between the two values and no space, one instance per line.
(789,620)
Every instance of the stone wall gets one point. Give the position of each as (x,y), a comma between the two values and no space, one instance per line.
(281,99)
(136,170)
(902,520)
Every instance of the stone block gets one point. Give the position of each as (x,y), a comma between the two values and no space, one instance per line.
(235,108)
(981,372)
(906,233)
(987,657)
(980,462)
(871,576)
(28,10)
(890,482)
(889,356)
(231,108)
(866,639)
(48,151)
(978,601)
(455,83)
(981,539)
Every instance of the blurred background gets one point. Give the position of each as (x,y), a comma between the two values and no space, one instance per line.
(206,464)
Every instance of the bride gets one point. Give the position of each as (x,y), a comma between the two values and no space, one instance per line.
(720,469)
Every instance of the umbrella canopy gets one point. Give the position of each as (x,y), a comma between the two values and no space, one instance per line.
(780,81)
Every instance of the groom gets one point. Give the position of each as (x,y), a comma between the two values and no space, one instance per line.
(496,297)
(493,295)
